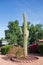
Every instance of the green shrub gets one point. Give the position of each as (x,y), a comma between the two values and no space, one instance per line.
(40,48)
(5,49)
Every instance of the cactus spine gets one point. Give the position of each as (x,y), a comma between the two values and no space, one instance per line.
(25,34)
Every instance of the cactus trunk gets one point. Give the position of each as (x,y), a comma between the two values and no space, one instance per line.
(25,34)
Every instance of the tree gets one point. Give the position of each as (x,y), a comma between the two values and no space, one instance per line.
(36,32)
(13,34)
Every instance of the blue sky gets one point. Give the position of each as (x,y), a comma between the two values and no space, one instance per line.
(11,10)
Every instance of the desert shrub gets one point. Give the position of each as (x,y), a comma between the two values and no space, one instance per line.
(5,49)
(33,48)
(16,51)
(40,48)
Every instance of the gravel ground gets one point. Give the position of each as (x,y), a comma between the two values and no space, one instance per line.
(5,61)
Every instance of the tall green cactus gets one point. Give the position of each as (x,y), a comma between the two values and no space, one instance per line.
(25,34)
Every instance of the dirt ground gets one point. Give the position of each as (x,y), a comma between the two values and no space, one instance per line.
(33,60)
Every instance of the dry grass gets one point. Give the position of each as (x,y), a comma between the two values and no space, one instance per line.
(16,52)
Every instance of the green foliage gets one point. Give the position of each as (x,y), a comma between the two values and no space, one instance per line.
(5,49)
(36,32)
(40,48)
(13,34)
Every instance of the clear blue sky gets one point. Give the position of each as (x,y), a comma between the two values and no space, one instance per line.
(13,9)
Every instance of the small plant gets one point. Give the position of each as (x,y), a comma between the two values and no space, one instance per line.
(5,49)
(40,48)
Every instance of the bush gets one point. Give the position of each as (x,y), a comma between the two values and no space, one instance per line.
(33,48)
(5,49)
(40,48)
(16,51)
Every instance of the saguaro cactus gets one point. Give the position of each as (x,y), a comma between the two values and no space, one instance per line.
(26,33)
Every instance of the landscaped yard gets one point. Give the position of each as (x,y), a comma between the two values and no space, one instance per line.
(31,61)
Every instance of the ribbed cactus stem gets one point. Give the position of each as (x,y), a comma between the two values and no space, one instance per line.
(25,34)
